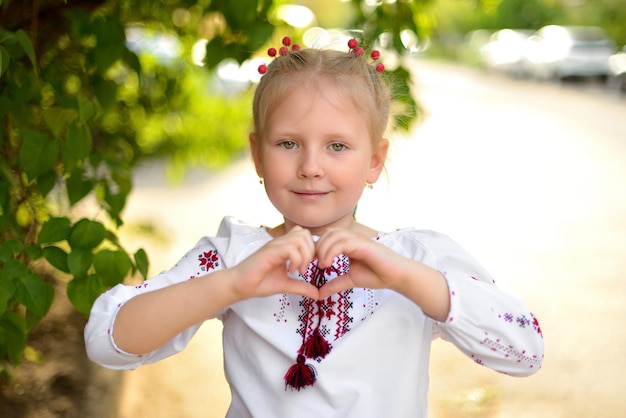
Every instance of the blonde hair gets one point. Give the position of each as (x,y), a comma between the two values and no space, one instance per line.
(354,74)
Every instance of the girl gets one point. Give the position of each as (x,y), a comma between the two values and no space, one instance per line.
(323,316)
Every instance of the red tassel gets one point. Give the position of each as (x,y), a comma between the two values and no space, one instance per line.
(300,375)
(315,346)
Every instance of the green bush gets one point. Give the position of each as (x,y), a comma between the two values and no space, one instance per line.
(79,110)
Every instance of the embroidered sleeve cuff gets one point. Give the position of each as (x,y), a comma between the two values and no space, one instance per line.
(492,327)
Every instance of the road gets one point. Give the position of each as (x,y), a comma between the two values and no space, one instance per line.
(530,178)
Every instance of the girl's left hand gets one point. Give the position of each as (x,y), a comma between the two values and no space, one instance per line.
(374,266)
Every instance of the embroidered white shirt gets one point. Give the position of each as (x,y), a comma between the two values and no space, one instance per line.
(378,363)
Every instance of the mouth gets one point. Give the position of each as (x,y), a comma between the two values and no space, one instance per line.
(310,194)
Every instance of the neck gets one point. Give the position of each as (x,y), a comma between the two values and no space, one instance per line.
(283,228)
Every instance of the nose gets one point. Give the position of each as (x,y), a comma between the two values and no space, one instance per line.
(310,165)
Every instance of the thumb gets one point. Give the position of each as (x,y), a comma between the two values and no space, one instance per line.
(302,288)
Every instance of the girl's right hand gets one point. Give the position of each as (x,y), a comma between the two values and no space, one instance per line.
(264,273)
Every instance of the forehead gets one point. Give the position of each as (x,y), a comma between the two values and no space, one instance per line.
(322,102)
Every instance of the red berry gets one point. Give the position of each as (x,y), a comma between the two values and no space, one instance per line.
(295,47)
(358,51)
(380,67)
(375,54)
(262,69)
(286,41)
(353,43)
(283,50)
(271,52)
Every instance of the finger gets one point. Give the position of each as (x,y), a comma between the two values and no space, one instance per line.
(337,285)
(301,241)
(302,288)
(328,247)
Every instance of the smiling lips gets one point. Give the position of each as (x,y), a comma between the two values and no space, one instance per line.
(310,194)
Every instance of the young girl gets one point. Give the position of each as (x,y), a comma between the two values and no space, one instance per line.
(323,316)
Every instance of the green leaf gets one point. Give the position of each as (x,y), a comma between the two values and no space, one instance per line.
(38,153)
(34,252)
(58,118)
(57,258)
(78,144)
(240,14)
(116,203)
(111,266)
(14,269)
(104,58)
(86,234)
(79,261)
(12,336)
(85,109)
(32,292)
(106,93)
(77,187)
(216,52)
(46,182)
(9,248)
(27,46)
(7,289)
(142,262)
(54,230)
(82,292)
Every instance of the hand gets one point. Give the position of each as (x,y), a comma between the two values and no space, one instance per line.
(264,273)
(372,265)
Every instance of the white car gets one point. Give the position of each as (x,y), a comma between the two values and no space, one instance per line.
(617,67)
(557,52)
(505,51)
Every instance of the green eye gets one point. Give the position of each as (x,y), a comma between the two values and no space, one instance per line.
(288,144)
(337,146)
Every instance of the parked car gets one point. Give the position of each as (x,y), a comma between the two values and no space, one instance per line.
(617,68)
(556,52)
(505,51)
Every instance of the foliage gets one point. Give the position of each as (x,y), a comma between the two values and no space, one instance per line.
(80,107)
(470,15)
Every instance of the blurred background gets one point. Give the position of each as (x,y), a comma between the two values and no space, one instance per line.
(124,141)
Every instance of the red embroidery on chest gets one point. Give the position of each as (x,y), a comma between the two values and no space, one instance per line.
(317,320)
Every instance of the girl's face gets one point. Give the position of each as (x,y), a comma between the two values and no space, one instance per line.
(316,157)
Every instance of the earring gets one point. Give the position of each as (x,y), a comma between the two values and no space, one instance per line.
(261,181)
(369,185)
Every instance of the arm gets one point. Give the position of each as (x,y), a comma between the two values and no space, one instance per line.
(490,326)
(132,325)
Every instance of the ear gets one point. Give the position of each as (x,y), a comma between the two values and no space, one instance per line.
(256,153)
(377,163)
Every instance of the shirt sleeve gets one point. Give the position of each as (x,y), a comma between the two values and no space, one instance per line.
(100,345)
(492,327)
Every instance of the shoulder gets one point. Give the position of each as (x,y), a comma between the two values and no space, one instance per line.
(236,240)
(419,238)
(418,244)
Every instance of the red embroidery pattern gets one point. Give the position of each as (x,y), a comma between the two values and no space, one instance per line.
(334,312)
(523,321)
(209,260)
(510,351)
(320,322)
(284,304)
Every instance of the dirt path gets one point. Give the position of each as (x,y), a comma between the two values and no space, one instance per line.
(521,175)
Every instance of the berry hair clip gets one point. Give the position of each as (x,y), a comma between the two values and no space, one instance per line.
(283,50)
(353,44)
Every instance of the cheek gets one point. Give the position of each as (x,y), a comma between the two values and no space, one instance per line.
(275,169)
